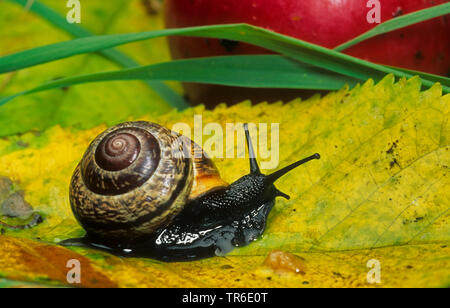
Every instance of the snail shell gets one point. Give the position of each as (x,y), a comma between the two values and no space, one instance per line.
(135,178)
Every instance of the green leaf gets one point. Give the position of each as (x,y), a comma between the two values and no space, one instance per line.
(78,107)
(399,22)
(299,50)
(169,95)
(265,71)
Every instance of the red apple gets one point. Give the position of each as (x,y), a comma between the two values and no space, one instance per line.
(424,46)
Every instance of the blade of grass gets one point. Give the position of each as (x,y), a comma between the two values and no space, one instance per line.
(435,78)
(299,50)
(399,22)
(265,71)
(53,17)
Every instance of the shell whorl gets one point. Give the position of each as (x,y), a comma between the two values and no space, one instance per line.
(120,161)
(133,179)
(119,150)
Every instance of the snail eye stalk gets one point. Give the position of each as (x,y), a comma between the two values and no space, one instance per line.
(254,168)
(271,178)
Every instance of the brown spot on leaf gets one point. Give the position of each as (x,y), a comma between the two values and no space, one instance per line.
(391,149)
(16,206)
(393,163)
(22,144)
(5,188)
(13,204)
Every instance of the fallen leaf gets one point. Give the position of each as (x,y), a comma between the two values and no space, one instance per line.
(380,191)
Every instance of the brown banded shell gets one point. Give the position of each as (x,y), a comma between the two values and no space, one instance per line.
(135,177)
(132,179)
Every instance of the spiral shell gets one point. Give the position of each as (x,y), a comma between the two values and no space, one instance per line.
(133,179)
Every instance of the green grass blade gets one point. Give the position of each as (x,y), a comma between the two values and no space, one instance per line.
(434,78)
(399,22)
(265,71)
(299,50)
(53,17)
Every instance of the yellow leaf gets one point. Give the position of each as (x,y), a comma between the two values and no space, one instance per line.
(379,192)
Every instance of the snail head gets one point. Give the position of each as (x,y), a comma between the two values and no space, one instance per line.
(268,181)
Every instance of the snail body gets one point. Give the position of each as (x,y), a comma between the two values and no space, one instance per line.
(142,190)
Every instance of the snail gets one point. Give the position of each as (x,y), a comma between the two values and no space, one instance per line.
(142,190)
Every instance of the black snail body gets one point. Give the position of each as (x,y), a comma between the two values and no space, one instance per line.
(137,192)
